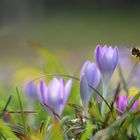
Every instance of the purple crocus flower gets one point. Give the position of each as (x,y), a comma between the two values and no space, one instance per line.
(89,76)
(122,103)
(106,59)
(54,96)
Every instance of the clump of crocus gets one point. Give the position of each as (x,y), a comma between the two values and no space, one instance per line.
(124,100)
(90,76)
(106,59)
(54,96)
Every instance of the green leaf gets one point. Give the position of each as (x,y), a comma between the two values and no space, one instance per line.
(123,136)
(56,132)
(6,132)
(112,128)
(88,132)
(95,112)
(128,121)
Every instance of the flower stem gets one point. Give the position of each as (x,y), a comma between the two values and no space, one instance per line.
(105,90)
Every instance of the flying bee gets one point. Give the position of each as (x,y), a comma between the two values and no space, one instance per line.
(136,52)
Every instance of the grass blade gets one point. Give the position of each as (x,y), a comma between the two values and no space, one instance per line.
(9,99)
(22,112)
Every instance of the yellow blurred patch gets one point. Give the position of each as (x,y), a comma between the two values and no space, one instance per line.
(133,91)
(25,74)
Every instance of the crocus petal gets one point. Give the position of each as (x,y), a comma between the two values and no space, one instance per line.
(91,72)
(82,72)
(90,76)
(67,90)
(30,91)
(42,92)
(115,57)
(106,59)
(122,102)
(84,92)
(95,76)
(55,95)
(54,91)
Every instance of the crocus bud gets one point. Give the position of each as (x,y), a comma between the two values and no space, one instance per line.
(54,96)
(30,91)
(106,59)
(89,76)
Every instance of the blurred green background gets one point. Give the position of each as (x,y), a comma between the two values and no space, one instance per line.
(69,29)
